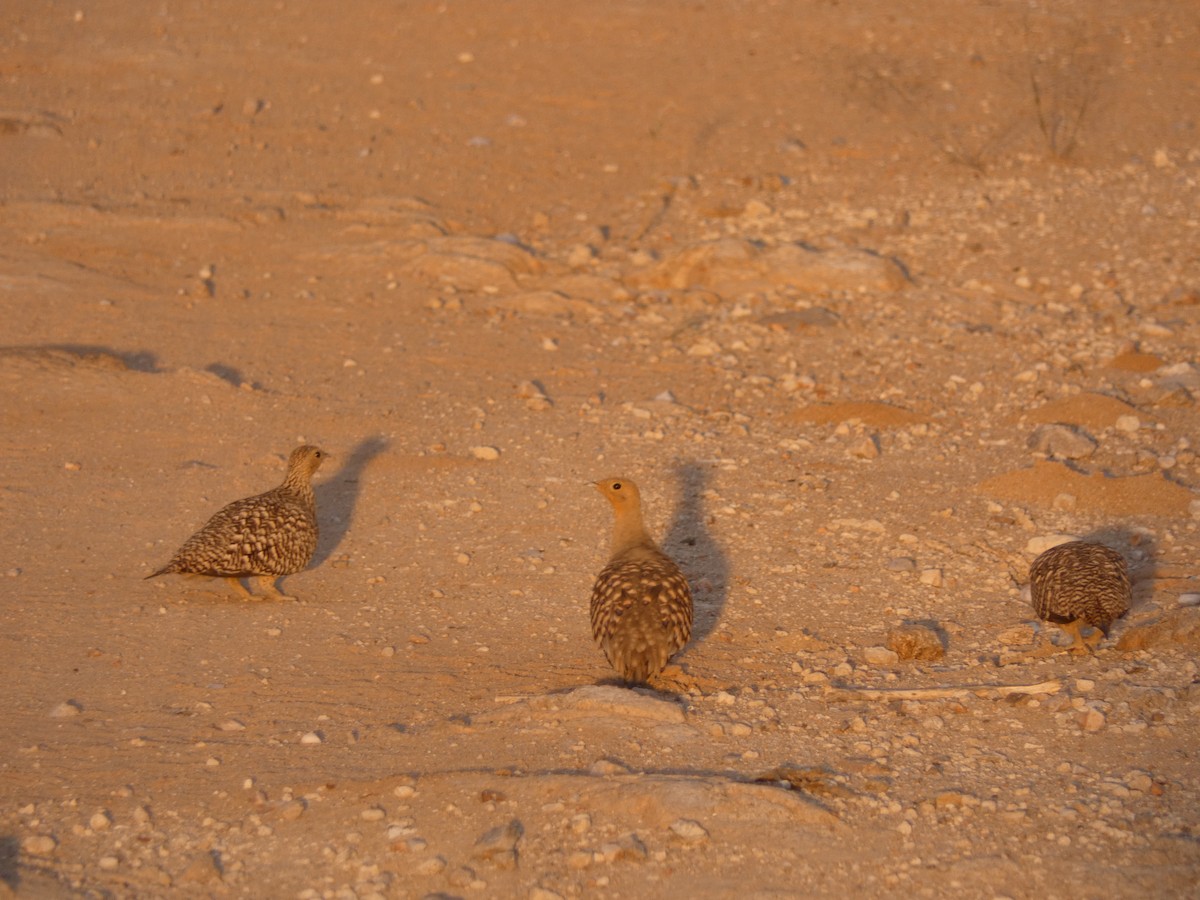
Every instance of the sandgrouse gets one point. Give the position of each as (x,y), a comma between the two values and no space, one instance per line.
(641,605)
(261,537)
(1080,583)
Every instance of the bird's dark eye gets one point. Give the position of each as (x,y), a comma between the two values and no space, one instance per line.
(616,485)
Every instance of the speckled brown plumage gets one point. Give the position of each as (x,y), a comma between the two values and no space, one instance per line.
(641,605)
(262,537)
(1080,583)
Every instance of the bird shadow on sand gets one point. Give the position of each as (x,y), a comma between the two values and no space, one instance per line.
(338,495)
(692,546)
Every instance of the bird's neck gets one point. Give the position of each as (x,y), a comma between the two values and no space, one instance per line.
(298,483)
(629,533)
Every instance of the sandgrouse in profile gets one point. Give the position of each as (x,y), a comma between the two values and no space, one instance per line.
(641,605)
(1080,583)
(262,537)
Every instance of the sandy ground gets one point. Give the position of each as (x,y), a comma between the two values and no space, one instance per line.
(873,299)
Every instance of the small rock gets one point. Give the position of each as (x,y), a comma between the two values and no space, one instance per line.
(689,831)
(866,448)
(373,814)
(915,642)
(1128,424)
(1189,600)
(1091,720)
(541,893)
(311,737)
(902,564)
(66,710)
(498,845)
(627,847)
(1061,442)
(203,869)
(1017,635)
(291,810)
(489,454)
(39,845)
(1039,545)
(1139,781)
(100,820)
(880,656)
(931,577)
(432,866)
(1178,626)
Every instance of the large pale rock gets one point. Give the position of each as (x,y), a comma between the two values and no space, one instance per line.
(732,266)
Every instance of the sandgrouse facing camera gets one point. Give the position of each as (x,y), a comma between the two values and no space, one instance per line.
(263,537)
(1080,583)
(641,605)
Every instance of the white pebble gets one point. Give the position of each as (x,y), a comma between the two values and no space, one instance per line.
(689,831)
(311,738)
(99,821)
(931,577)
(486,453)
(1042,543)
(39,845)
(1128,423)
(66,709)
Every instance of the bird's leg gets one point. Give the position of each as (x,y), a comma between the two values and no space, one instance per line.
(1096,637)
(241,588)
(1079,645)
(268,586)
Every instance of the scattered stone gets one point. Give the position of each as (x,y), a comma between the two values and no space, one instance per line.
(204,869)
(39,844)
(66,710)
(311,737)
(373,814)
(549,304)
(291,810)
(689,831)
(1189,600)
(100,821)
(499,845)
(880,656)
(732,266)
(865,448)
(1036,546)
(1018,635)
(916,642)
(1091,720)
(432,866)
(901,564)
(627,847)
(534,396)
(1138,780)
(1176,627)
(1128,424)
(931,577)
(489,454)
(1061,442)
